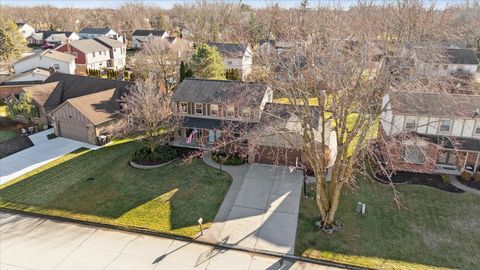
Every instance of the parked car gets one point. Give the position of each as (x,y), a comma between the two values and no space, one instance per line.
(47,46)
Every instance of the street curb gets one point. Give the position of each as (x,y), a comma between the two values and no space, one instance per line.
(183,238)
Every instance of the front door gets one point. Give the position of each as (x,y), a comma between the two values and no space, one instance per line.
(447,157)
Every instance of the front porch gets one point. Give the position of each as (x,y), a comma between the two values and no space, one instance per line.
(201,139)
(454,162)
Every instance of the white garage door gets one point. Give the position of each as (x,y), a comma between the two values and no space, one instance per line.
(72,130)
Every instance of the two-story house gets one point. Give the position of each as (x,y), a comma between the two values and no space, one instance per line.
(208,106)
(88,53)
(118,52)
(52,37)
(431,132)
(26,29)
(48,59)
(236,56)
(215,112)
(91,32)
(453,60)
(140,37)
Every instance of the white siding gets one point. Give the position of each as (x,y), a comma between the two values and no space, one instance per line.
(387,114)
(398,122)
(422,124)
(468,128)
(457,127)
(29,77)
(432,125)
(99,60)
(44,62)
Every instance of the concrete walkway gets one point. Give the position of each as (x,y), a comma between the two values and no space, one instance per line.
(42,152)
(238,173)
(262,209)
(457,184)
(34,243)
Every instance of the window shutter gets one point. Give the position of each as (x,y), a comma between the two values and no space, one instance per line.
(208,109)
(189,107)
(204,110)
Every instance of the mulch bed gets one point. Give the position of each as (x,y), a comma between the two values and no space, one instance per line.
(472,183)
(9,124)
(431,180)
(14,145)
(182,153)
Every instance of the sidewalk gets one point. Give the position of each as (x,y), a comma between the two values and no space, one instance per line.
(35,243)
(456,183)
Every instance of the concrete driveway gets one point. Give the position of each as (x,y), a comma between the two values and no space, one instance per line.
(42,152)
(33,243)
(265,212)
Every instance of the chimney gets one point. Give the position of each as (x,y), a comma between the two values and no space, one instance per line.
(69,48)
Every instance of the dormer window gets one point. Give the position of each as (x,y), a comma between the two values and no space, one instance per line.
(230,111)
(183,107)
(445,126)
(198,108)
(410,123)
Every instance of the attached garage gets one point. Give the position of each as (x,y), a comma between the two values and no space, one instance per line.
(87,117)
(73,130)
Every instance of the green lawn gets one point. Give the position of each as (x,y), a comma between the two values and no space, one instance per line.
(100,186)
(4,110)
(6,134)
(433,229)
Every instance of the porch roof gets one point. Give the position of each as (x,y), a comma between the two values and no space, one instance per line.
(205,123)
(468,144)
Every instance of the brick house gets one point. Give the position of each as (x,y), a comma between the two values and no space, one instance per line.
(88,53)
(431,132)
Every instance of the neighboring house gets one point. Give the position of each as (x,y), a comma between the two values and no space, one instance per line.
(118,52)
(53,37)
(210,107)
(88,53)
(431,132)
(25,29)
(78,107)
(456,60)
(40,94)
(32,76)
(87,33)
(140,37)
(236,56)
(47,59)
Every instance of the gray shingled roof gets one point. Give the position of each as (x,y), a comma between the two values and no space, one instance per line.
(230,49)
(88,45)
(275,113)
(208,91)
(73,86)
(109,42)
(462,56)
(434,104)
(148,32)
(98,31)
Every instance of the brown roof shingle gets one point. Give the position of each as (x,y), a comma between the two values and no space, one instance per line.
(98,108)
(434,104)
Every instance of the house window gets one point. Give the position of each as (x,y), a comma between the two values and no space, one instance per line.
(93,54)
(410,123)
(230,111)
(56,66)
(213,109)
(75,54)
(198,108)
(477,128)
(413,154)
(445,125)
(183,107)
(246,113)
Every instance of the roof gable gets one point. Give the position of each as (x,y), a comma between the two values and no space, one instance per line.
(74,86)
